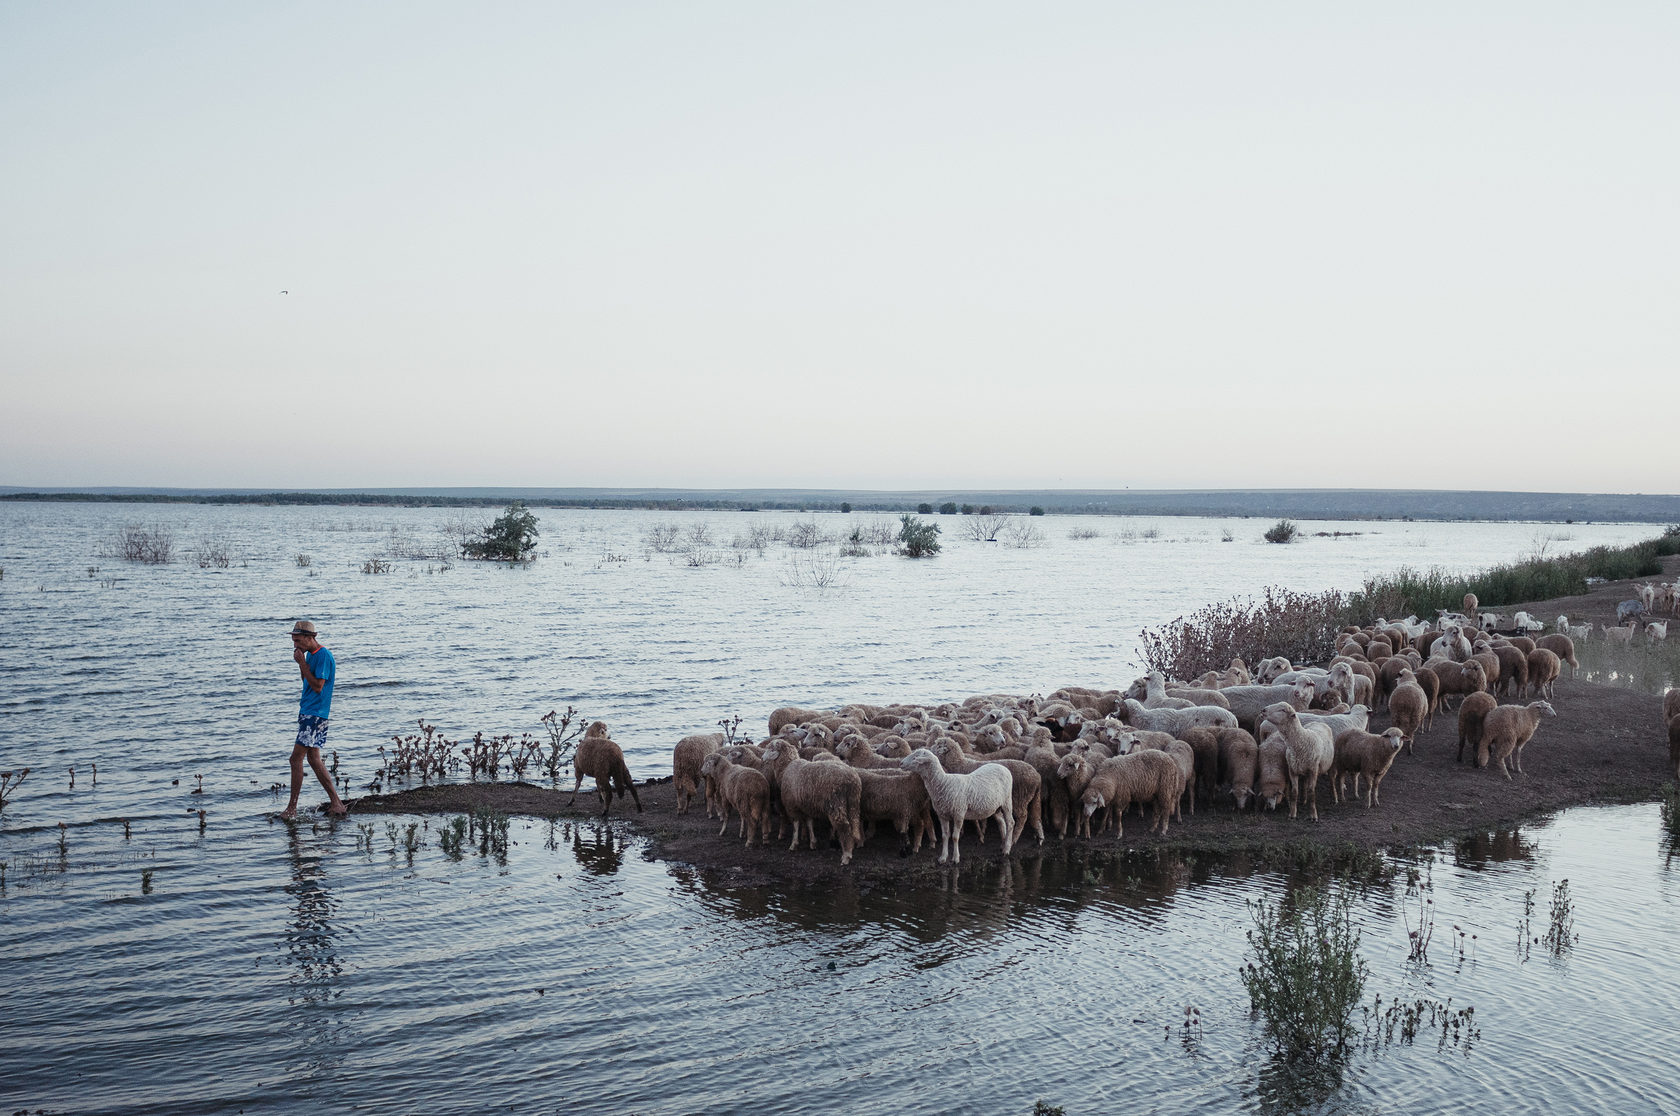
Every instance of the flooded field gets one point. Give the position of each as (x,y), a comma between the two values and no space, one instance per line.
(165,960)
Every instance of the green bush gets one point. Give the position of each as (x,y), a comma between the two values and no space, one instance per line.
(917,539)
(1283,531)
(1035,510)
(949,507)
(924,509)
(511,538)
(1305,975)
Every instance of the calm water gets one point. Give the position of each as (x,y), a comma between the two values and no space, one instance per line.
(273,970)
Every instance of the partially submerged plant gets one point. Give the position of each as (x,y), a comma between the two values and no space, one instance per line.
(1305,975)
(10,781)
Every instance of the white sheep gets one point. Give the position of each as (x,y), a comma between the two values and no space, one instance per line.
(1527,623)
(1622,633)
(1309,750)
(1573,631)
(983,793)
(1656,631)
(1176,720)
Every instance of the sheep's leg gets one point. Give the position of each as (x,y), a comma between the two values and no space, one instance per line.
(1503,768)
(1518,758)
(1006,826)
(575,787)
(956,841)
(1312,794)
(1292,791)
(725,826)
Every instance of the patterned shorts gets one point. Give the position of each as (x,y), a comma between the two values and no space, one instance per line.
(312,731)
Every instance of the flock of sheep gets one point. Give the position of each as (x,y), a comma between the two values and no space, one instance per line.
(1081,757)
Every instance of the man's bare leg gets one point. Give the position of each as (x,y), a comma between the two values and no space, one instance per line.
(297,782)
(337,805)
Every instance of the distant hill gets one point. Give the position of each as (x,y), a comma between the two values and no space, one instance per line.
(1272,503)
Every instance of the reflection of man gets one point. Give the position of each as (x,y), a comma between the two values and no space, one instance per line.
(316,665)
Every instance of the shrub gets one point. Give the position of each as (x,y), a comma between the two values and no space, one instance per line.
(845,508)
(154,545)
(949,507)
(510,538)
(1035,510)
(1283,531)
(924,509)
(968,509)
(917,539)
(1305,975)
(1302,626)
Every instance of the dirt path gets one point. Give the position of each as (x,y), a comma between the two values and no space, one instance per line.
(1606,745)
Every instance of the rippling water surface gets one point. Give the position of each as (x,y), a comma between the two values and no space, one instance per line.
(248,965)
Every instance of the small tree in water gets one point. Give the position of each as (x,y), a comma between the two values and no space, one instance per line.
(511,538)
(917,539)
(1306,974)
(1283,531)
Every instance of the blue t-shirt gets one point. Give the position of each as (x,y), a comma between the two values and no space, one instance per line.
(314,704)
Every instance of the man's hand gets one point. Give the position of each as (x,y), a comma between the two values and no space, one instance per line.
(298,656)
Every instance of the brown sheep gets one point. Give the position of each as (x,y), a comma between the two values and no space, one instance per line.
(1239,756)
(1075,770)
(814,789)
(1513,669)
(1204,745)
(1272,782)
(1506,729)
(743,788)
(1671,703)
(1471,713)
(1459,679)
(1145,776)
(599,758)
(1543,669)
(792,715)
(686,758)
(1408,706)
(1563,647)
(899,797)
(1367,756)
(1525,644)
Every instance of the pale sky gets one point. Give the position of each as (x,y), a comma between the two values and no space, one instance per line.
(873,245)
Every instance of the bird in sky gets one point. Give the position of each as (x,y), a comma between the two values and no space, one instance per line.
(285,292)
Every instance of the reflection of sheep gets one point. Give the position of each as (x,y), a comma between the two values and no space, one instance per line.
(686,758)
(1366,756)
(1471,714)
(1309,750)
(957,798)
(1506,729)
(1543,669)
(601,759)
(745,790)
(1674,745)
(1144,776)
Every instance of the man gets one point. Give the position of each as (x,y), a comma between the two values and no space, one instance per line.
(316,665)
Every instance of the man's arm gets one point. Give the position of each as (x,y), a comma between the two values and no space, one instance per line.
(303,669)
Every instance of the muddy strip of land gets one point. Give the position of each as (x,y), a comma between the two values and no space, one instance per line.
(1606,745)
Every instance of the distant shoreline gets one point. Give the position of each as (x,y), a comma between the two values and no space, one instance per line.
(1310,504)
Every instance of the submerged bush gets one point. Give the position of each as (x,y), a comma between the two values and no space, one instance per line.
(917,539)
(1283,531)
(511,538)
(154,545)
(1305,975)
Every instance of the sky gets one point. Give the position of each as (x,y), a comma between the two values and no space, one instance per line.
(872,245)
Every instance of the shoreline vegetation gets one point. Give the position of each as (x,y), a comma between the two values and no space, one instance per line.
(1309,504)
(1605,746)
(1303,626)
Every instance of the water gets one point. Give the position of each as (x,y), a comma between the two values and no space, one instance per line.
(274,970)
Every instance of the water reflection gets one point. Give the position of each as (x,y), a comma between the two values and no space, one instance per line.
(597,848)
(311,937)
(1499,846)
